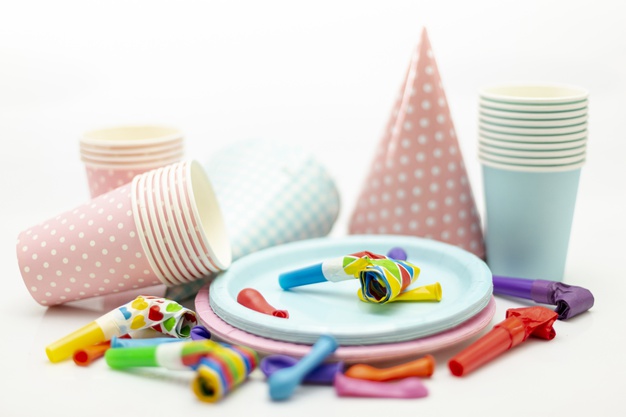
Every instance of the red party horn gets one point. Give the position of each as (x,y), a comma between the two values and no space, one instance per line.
(86,355)
(520,323)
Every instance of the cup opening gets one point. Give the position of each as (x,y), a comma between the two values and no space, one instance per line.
(210,216)
(132,134)
(523,93)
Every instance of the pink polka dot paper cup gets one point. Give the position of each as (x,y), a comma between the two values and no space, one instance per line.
(417,184)
(110,243)
(114,156)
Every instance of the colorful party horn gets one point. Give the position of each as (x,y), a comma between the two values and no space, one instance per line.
(382,279)
(431,292)
(254,300)
(219,373)
(283,383)
(520,323)
(422,367)
(569,300)
(175,356)
(143,312)
(404,388)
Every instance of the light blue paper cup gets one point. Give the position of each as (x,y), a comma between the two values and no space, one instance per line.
(529,212)
(270,193)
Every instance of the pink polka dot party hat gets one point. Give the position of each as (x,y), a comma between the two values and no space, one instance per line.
(417,184)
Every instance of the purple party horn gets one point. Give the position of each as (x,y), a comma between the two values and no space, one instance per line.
(569,300)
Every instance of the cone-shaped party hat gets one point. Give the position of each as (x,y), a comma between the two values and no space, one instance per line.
(417,184)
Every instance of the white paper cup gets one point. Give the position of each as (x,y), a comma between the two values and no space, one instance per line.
(131,136)
(553,115)
(532,145)
(534,94)
(493,150)
(528,221)
(533,138)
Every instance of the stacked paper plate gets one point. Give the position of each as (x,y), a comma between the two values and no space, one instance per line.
(364,330)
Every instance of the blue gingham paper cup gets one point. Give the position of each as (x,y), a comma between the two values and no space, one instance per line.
(270,193)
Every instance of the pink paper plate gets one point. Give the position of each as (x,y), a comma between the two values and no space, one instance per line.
(349,354)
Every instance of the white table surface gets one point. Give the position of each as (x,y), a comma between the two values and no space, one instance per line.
(322,75)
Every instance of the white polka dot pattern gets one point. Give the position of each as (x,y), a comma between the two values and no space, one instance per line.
(102,180)
(86,252)
(417,184)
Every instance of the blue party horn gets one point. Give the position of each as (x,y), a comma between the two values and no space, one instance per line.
(284,382)
(117,342)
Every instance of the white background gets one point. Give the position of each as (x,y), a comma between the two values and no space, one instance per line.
(323,74)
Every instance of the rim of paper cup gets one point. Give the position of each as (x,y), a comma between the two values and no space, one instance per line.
(137,148)
(532,131)
(569,137)
(537,146)
(533,161)
(125,167)
(544,94)
(212,228)
(526,168)
(532,108)
(524,123)
(184,202)
(181,239)
(491,150)
(186,229)
(169,251)
(132,159)
(528,115)
(150,232)
(132,152)
(131,135)
(140,226)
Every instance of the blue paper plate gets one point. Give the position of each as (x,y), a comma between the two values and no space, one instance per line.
(334,308)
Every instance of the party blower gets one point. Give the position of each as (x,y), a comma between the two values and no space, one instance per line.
(382,279)
(520,323)
(569,300)
(284,382)
(219,367)
(143,312)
